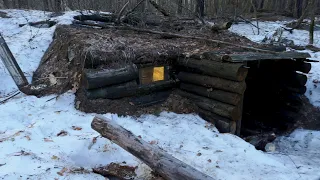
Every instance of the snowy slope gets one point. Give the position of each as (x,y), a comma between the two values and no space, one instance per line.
(223,156)
(33,147)
(27,43)
(300,37)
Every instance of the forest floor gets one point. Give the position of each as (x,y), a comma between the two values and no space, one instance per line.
(47,138)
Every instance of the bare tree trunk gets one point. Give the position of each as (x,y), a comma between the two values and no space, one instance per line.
(179,7)
(312,24)
(200,8)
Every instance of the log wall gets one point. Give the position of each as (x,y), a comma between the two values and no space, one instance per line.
(226,93)
(216,87)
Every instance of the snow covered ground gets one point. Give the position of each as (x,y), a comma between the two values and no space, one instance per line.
(40,138)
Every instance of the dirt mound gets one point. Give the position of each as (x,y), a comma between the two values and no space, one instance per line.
(75,48)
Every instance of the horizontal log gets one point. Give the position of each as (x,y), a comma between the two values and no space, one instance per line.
(230,71)
(299,90)
(213,82)
(93,79)
(129,89)
(296,79)
(222,124)
(96,17)
(156,158)
(291,65)
(219,108)
(220,26)
(265,56)
(219,95)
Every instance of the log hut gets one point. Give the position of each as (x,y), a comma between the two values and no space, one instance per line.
(229,87)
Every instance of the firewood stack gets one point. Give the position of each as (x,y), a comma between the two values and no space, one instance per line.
(216,87)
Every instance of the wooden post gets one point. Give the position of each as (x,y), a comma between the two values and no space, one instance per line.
(11,64)
(157,159)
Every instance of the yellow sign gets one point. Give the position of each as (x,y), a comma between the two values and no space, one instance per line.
(158,74)
(151,74)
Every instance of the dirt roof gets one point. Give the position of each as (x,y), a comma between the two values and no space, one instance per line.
(75,48)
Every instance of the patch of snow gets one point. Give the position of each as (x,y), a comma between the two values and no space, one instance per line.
(31,148)
(300,150)
(31,125)
(300,37)
(27,43)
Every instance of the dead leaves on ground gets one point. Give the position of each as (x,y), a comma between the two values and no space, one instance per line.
(62,133)
(76,128)
(47,140)
(62,171)
(22,153)
(11,137)
(94,140)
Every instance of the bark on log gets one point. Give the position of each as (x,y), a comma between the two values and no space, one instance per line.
(96,17)
(231,71)
(11,64)
(296,79)
(260,141)
(219,95)
(213,82)
(299,90)
(264,56)
(291,65)
(127,90)
(222,26)
(157,159)
(93,79)
(219,108)
(222,124)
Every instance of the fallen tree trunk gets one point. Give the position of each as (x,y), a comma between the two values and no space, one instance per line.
(219,108)
(231,71)
(221,26)
(96,17)
(219,95)
(93,79)
(222,124)
(126,90)
(157,159)
(213,82)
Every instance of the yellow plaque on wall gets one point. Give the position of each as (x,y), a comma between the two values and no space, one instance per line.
(158,74)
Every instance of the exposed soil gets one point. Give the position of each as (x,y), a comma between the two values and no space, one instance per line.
(128,106)
(309,116)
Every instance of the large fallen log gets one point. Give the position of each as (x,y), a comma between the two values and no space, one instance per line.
(220,26)
(213,82)
(231,71)
(222,124)
(157,159)
(219,95)
(127,90)
(219,108)
(93,79)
